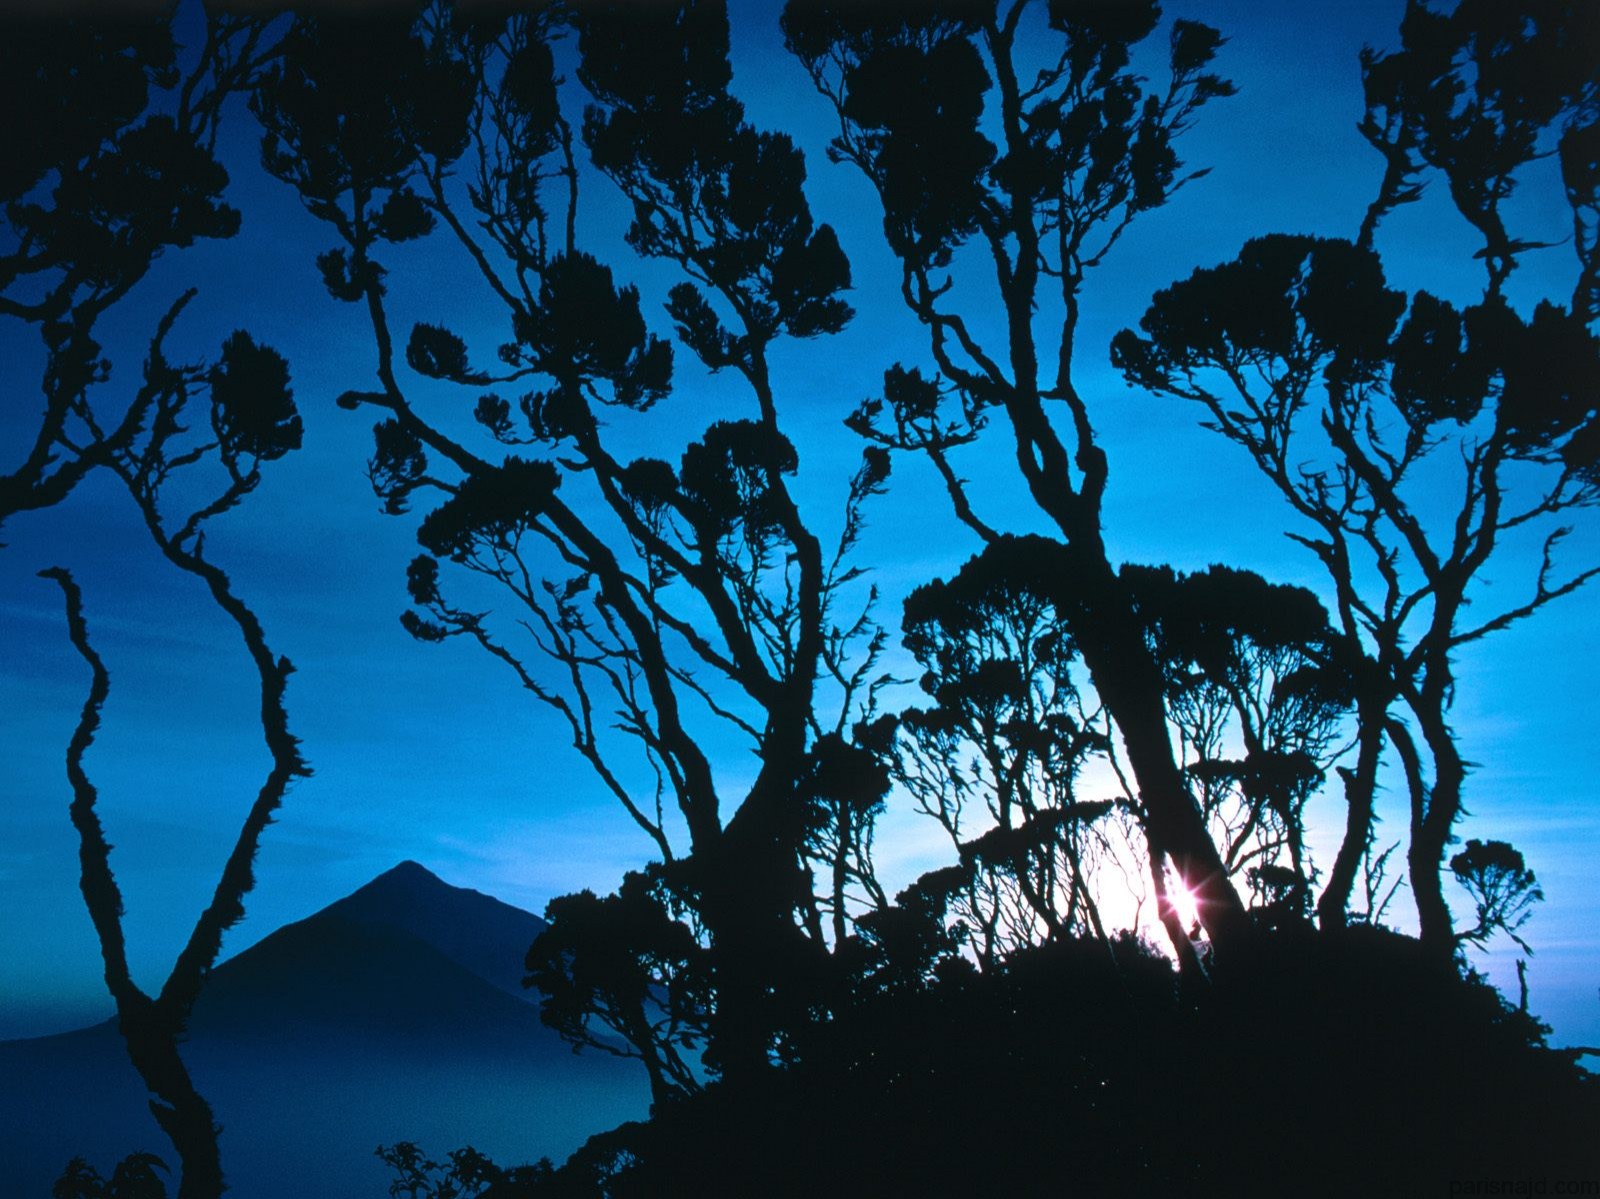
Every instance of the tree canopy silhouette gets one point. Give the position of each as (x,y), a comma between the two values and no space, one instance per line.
(1088,717)
(674,596)
(1363,405)
(114,167)
(629,536)
(1083,149)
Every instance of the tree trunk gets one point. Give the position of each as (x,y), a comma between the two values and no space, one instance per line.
(180,1110)
(1189,967)
(738,1027)
(1426,857)
(758,953)
(1129,682)
(1360,787)
(661,1091)
(1435,926)
(1433,816)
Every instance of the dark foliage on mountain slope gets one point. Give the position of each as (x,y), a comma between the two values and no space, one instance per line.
(1347,1065)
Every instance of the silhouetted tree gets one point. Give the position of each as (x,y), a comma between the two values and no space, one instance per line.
(1358,401)
(110,167)
(674,598)
(1082,718)
(1258,686)
(252,420)
(1502,887)
(626,961)
(1083,148)
(677,597)
(843,789)
(996,759)
(1255,691)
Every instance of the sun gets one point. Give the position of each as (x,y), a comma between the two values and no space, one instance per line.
(1186,904)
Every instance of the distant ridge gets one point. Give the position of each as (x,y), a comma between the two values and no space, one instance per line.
(395,1013)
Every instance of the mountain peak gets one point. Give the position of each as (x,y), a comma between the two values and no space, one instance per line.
(366,1013)
(409,871)
(477,931)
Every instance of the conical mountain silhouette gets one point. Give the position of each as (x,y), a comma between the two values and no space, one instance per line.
(407,954)
(476,931)
(396,1013)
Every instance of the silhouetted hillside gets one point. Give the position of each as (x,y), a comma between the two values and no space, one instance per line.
(388,1015)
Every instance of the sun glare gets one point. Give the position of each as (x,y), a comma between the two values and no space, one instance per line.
(1186,905)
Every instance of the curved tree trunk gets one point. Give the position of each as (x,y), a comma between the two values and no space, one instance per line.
(181,1111)
(1433,814)
(149,1027)
(1129,682)
(1360,788)
(1431,839)
(152,1028)
(757,952)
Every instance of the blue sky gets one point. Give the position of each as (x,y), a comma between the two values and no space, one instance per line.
(429,753)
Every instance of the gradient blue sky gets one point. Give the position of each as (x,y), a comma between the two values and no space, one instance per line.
(429,753)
